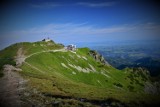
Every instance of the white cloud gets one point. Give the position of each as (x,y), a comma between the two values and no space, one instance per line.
(80,29)
(85,29)
(46,5)
(84,32)
(102,4)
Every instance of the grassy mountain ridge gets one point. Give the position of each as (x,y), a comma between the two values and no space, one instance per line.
(76,78)
(7,55)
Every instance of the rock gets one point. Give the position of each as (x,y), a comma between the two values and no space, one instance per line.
(151,88)
(98,57)
(11,68)
(56,104)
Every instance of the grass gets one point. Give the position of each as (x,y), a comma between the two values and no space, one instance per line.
(59,85)
(50,77)
(7,55)
(58,80)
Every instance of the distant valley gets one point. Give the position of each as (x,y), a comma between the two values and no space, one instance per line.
(124,54)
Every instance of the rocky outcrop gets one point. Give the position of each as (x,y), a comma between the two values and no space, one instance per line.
(98,57)
(152,88)
(11,68)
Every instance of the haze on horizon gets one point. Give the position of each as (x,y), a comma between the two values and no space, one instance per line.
(79,21)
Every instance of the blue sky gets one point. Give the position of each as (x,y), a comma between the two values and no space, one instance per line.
(78,21)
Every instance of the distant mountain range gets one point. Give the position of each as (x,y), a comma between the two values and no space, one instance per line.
(133,55)
(149,63)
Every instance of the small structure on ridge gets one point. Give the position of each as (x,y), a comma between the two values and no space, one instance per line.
(46,40)
(71,47)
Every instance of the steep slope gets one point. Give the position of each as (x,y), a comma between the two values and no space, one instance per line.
(58,77)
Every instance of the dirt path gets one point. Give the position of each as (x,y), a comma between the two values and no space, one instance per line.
(58,50)
(19,58)
(10,86)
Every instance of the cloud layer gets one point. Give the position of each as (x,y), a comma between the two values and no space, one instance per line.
(46,5)
(102,4)
(86,4)
(85,32)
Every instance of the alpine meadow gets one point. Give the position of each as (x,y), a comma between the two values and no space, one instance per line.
(79,53)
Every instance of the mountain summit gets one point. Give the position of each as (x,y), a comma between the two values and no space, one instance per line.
(49,74)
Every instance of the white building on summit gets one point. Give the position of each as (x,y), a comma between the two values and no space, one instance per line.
(71,47)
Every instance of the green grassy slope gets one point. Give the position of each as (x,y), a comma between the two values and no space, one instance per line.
(7,55)
(73,75)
